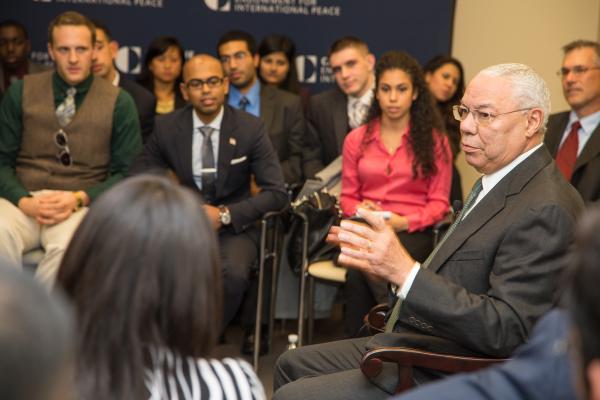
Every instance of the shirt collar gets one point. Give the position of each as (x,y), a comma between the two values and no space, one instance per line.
(117,79)
(366,98)
(82,87)
(489,181)
(215,123)
(588,123)
(253,94)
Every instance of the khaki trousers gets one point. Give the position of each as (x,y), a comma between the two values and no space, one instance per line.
(20,234)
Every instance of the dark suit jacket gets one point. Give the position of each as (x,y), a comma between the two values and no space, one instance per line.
(145,102)
(498,271)
(586,176)
(282,114)
(244,149)
(542,369)
(327,126)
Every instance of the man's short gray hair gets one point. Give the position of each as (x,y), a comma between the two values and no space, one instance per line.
(529,88)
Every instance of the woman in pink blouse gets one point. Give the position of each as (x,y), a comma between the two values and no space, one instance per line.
(399,161)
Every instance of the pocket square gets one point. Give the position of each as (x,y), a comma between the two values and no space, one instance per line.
(238,160)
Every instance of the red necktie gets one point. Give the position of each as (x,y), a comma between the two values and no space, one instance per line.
(567,154)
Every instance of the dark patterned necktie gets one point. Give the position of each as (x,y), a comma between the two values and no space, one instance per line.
(209,170)
(477,187)
(243,104)
(65,112)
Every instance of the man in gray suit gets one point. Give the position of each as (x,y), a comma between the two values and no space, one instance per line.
(333,113)
(14,54)
(281,111)
(580,74)
(494,273)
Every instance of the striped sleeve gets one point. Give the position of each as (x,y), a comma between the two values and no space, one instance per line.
(175,378)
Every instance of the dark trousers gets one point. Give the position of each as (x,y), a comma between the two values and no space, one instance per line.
(332,371)
(239,253)
(361,293)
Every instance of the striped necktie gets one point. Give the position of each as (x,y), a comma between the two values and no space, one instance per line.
(391,322)
(65,112)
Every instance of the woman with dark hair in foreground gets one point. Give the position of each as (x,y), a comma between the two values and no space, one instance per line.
(143,272)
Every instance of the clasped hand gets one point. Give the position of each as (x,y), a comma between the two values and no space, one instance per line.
(49,207)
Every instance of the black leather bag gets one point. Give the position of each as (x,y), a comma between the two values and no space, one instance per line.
(322,211)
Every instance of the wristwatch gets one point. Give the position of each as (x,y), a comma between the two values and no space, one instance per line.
(224,215)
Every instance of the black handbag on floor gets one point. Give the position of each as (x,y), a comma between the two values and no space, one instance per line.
(322,211)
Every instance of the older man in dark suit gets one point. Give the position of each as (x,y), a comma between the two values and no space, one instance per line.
(214,148)
(493,274)
(105,51)
(573,137)
(333,113)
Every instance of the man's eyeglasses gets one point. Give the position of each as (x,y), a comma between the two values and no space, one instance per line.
(212,82)
(577,70)
(62,142)
(481,117)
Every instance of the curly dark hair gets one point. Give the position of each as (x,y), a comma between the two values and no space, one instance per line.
(424,117)
(452,126)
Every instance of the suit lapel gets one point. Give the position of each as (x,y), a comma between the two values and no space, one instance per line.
(183,136)
(227,143)
(554,135)
(491,204)
(340,119)
(591,149)
(267,105)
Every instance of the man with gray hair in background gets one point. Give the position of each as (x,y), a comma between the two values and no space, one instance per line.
(573,137)
(493,274)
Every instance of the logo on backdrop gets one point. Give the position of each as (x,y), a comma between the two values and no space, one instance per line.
(313,69)
(218,5)
(129,59)
(281,7)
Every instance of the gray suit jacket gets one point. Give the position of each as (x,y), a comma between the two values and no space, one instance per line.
(498,272)
(586,176)
(327,127)
(282,114)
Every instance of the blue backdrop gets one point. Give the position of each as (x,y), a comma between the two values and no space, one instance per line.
(422,28)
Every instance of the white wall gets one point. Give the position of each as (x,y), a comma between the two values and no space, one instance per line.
(531,32)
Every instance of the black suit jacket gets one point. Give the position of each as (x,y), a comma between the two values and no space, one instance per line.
(327,127)
(586,175)
(244,150)
(145,102)
(499,270)
(282,114)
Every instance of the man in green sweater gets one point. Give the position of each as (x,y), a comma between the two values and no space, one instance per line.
(65,137)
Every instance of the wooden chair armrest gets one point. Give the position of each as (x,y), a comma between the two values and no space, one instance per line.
(375,319)
(372,363)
